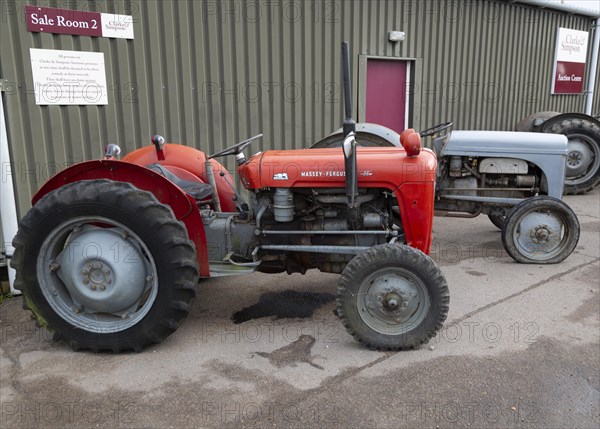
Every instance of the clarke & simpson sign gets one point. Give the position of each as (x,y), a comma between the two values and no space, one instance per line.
(569,61)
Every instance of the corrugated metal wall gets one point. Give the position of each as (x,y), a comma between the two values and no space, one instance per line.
(2,246)
(596,100)
(208,73)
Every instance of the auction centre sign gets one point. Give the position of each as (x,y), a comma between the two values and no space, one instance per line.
(569,61)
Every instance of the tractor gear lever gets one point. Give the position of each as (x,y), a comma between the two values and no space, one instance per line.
(239,202)
(159,143)
(111,151)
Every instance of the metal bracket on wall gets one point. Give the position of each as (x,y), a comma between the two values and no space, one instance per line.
(4,83)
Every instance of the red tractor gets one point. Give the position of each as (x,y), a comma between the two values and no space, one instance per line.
(109,256)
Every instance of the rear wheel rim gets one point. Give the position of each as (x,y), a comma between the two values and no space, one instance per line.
(393,301)
(97,274)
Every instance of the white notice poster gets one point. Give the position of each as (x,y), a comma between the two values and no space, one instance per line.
(68,77)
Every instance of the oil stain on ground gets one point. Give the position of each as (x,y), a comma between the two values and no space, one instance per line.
(288,304)
(297,352)
(476,273)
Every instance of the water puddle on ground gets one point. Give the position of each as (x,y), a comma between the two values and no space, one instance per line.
(300,351)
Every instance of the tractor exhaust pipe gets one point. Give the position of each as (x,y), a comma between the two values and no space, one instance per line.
(349,125)
(349,145)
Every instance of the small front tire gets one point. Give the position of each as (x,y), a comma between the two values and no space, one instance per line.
(540,230)
(392,297)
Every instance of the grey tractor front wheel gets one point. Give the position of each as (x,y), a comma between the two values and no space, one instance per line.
(540,230)
(105,266)
(392,297)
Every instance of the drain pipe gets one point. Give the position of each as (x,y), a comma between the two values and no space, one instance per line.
(591,83)
(8,210)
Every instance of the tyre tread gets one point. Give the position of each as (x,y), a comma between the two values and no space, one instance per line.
(363,262)
(535,203)
(181,257)
(589,127)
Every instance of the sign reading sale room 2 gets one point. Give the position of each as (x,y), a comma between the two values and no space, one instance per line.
(78,22)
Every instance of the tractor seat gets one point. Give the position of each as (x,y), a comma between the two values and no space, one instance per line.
(198,190)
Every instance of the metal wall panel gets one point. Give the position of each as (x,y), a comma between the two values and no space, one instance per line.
(596,100)
(2,246)
(210,73)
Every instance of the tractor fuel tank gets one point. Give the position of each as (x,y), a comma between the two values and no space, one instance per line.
(378,167)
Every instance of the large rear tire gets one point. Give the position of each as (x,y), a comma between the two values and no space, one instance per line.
(105,266)
(392,297)
(583,157)
(540,230)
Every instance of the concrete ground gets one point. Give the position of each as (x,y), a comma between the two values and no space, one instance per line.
(520,349)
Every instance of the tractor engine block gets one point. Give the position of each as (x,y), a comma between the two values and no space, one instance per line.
(300,217)
(320,213)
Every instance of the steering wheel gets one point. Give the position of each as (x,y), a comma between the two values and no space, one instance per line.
(434,130)
(236,148)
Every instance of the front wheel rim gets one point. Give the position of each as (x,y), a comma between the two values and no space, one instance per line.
(97,274)
(541,235)
(393,301)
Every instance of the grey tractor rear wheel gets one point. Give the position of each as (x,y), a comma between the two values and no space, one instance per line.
(105,266)
(392,297)
(540,230)
(583,158)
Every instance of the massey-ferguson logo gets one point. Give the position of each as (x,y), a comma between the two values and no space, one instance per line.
(327,173)
(332,173)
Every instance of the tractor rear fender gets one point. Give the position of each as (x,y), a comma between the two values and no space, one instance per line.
(367,134)
(193,161)
(184,206)
(530,122)
(548,123)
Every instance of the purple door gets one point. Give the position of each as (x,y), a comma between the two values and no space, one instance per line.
(386,93)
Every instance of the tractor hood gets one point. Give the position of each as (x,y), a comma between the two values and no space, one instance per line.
(378,167)
(504,144)
(547,151)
